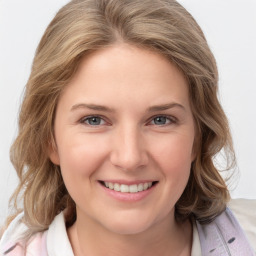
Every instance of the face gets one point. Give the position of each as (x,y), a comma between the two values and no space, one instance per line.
(124,136)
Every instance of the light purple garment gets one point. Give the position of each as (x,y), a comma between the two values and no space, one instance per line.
(224,237)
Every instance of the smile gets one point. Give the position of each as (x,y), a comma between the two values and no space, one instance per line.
(124,188)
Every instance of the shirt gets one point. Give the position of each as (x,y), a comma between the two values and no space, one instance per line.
(55,242)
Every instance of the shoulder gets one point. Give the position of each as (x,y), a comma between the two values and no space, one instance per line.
(15,242)
(36,246)
(232,232)
(243,207)
(245,212)
(53,241)
(11,238)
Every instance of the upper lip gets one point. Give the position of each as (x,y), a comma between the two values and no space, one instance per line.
(126,182)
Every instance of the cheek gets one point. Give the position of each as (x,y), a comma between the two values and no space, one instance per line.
(174,156)
(81,155)
(175,149)
(80,158)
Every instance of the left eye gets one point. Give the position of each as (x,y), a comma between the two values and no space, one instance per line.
(93,120)
(161,120)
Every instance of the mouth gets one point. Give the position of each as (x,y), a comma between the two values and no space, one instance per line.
(125,188)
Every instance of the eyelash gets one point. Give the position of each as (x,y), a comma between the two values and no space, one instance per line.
(170,119)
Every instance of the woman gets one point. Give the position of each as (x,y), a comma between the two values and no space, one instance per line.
(117,133)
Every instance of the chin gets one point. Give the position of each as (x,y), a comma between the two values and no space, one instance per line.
(128,225)
(128,229)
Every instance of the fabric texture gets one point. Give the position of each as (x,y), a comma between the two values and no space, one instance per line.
(55,242)
(226,237)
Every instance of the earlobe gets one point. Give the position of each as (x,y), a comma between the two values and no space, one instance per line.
(53,153)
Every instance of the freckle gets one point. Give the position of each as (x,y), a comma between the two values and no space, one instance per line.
(231,240)
(212,250)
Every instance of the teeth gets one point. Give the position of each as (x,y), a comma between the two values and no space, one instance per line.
(116,187)
(124,188)
(134,188)
(145,186)
(140,187)
(111,185)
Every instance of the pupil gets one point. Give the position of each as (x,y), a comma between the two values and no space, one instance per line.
(94,120)
(160,120)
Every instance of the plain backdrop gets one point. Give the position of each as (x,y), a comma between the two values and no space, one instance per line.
(230,27)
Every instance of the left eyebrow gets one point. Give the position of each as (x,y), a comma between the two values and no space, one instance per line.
(165,107)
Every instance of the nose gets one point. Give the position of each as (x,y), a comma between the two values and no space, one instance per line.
(128,149)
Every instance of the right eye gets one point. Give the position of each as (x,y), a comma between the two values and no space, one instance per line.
(93,121)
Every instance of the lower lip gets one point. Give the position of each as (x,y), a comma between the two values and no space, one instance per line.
(130,197)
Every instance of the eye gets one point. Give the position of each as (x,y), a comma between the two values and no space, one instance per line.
(93,121)
(162,120)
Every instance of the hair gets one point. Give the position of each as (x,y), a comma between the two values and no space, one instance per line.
(85,26)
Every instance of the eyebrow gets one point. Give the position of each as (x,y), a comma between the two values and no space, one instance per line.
(91,106)
(165,107)
(107,109)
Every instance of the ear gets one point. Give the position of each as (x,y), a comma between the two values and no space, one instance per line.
(53,153)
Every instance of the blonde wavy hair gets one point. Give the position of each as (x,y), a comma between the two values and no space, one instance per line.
(83,26)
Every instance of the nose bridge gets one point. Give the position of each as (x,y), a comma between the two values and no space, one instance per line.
(128,148)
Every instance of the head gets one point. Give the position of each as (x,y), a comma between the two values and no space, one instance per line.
(82,28)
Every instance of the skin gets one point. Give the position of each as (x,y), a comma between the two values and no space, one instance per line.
(126,142)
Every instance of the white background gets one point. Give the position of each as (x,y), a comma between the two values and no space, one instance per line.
(230,27)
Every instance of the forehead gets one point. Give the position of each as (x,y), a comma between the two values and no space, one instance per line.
(127,72)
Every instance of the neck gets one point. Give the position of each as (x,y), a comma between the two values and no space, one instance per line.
(165,238)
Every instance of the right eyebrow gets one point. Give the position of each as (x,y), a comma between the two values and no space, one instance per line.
(92,107)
